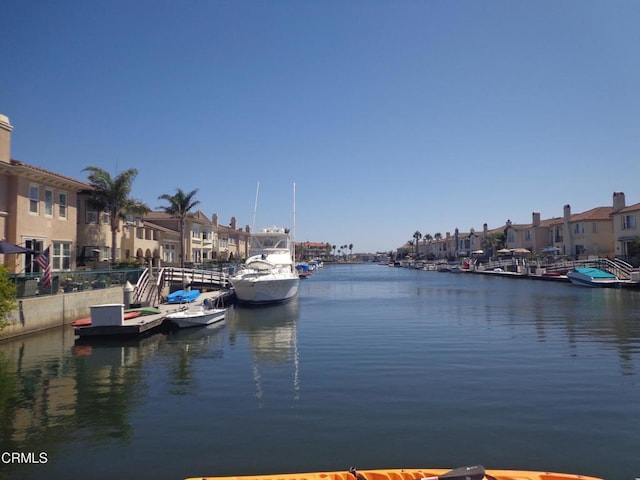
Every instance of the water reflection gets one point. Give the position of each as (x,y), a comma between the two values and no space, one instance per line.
(272,337)
(184,347)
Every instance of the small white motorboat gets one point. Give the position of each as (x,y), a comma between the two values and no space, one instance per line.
(197,315)
(592,277)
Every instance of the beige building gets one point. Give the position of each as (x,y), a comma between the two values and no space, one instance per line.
(41,209)
(588,233)
(233,242)
(37,210)
(626,228)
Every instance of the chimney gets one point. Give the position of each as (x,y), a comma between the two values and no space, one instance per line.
(618,201)
(485,229)
(247,229)
(567,212)
(214,219)
(5,139)
(535,219)
(233,223)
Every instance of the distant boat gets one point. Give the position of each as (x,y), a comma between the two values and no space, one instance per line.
(592,277)
(303,270)
(183,296)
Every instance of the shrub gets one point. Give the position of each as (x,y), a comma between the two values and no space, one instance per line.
(7,297)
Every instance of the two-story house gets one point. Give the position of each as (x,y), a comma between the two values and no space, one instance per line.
(586,233)
(233,242)
(626,228)
(37,210)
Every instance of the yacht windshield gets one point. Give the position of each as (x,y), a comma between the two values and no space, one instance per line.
(269,242)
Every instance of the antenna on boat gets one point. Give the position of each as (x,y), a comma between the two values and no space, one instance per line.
(255,209)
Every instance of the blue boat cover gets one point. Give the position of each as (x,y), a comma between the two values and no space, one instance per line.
(182,296)
(595,272)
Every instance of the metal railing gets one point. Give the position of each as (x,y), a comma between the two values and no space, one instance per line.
(31,285)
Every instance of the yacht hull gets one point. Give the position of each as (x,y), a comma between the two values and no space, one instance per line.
(258,291)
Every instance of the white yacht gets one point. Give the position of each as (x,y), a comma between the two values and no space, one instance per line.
(268,275)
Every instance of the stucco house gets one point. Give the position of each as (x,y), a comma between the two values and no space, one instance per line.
(37,210)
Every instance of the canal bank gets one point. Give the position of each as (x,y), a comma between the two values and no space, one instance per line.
(35,314)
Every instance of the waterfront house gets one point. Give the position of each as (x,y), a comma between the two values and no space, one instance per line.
(584,234)
(37,210)
(233,242)
(311,250)
(626,228)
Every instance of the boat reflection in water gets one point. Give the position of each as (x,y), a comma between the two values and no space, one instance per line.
(272,337)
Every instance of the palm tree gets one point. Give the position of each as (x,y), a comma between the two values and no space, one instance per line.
(111,195)
(427,241)
(351,249)
(417,235)
(180,206)
(334,250)
(493,242)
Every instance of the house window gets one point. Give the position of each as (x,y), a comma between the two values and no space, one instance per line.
(48,202)
(62,205)
(169,253)
(61,256)
(511,237)
(578,228)
(527,235)
(223,241)
(594,228)
(34,196)
(628,222)
(195,232)
(91,214)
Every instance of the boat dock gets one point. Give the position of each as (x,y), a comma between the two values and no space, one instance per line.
(144,324)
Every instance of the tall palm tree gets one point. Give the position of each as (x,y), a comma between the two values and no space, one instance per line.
(351,249)
(427,241)
(112,196)
(180,206)
(417,235)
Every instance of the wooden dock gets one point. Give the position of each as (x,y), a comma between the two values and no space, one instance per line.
(146,324)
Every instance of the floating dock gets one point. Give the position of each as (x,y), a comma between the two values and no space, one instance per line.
(107,320)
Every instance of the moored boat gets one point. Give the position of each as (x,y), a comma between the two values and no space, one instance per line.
(463,473)
(269,274)
(592,277)
(197,315)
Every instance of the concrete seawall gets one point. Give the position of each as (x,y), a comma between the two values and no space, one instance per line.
(40,313)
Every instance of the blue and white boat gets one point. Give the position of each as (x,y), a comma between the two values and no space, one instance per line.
(592,277)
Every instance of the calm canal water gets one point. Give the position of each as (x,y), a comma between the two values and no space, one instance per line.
(370,366)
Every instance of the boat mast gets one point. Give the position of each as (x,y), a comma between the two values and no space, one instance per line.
(255,209)
(293,237)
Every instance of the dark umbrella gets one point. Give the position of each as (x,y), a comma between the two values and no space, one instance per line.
(6,247)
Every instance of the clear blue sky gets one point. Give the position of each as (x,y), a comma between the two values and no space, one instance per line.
(390,116)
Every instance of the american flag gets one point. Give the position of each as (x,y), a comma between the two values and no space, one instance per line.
(45,264)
